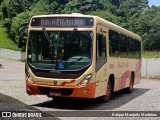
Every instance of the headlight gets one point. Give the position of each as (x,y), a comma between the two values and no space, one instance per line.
(86,80)
(30,80)
(28,77)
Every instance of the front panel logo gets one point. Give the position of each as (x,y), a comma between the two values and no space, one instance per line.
(55,82)
(6,114)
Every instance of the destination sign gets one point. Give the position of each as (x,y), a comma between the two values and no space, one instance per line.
(62,22)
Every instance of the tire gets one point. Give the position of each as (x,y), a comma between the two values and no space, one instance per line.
(57,99)
(130,88)
(106,97)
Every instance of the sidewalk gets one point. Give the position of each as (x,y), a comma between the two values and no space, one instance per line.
(12,70)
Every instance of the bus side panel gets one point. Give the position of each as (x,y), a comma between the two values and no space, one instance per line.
(118,67)
(123,72)
(101,81)
(135,66)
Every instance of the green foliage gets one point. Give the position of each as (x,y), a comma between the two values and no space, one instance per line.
(1,15)
(17,6)
(107,15)
(149,28)
(107,6)
(82,6)
(24,18)
(1,1)
(17,22)
(5,41)
(5,8)
(130,10)
(151,54)
(135,15)
(41,7)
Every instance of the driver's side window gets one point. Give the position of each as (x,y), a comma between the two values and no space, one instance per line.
(100,48)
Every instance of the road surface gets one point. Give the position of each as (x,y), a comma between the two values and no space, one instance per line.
(145,97)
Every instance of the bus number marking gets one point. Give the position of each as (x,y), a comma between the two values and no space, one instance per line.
(122,65)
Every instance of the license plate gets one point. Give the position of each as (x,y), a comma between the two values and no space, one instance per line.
(54,93)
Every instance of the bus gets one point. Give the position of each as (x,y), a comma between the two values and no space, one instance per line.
(80,56)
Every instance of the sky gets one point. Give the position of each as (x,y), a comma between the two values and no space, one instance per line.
(154,2)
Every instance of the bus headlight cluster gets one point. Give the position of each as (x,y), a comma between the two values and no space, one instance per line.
(86,80)
(28,77)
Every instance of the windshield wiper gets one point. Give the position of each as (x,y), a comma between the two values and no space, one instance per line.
(48,38)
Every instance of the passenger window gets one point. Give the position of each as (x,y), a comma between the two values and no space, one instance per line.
(137,48)
(114,43)
(130,47)
(123,46)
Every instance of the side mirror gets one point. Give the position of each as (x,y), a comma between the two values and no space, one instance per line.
(21,41)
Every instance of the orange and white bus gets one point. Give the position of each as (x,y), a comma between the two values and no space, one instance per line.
(80,56)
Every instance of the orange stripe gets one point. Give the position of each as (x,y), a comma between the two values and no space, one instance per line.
(32,89)
(66,82)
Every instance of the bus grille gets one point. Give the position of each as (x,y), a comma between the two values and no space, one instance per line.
(63,91)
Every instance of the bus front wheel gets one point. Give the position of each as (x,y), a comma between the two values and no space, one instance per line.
(57,99)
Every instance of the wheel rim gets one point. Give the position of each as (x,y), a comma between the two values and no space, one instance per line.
(131,85)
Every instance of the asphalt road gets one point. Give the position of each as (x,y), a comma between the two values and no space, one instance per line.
(145,97)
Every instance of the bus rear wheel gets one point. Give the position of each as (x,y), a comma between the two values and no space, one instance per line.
(57,99)
(107,96)
(130,88)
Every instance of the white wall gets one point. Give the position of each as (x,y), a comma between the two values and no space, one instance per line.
(150,67)
(11,54)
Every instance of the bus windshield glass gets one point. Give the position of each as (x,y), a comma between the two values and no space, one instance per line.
(60,50)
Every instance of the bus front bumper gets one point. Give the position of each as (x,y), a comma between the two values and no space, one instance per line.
(62,91)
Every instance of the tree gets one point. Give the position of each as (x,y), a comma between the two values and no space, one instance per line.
(108,16)
(41,7)
(134,15)
(148,26)
(116,3)
(4,7)
(153,43)
(82,6)
(17,6)
(130,10)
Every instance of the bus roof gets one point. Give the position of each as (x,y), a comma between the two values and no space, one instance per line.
(98,20)
(116,28)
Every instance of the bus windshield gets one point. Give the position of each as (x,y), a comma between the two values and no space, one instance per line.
(60,50)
